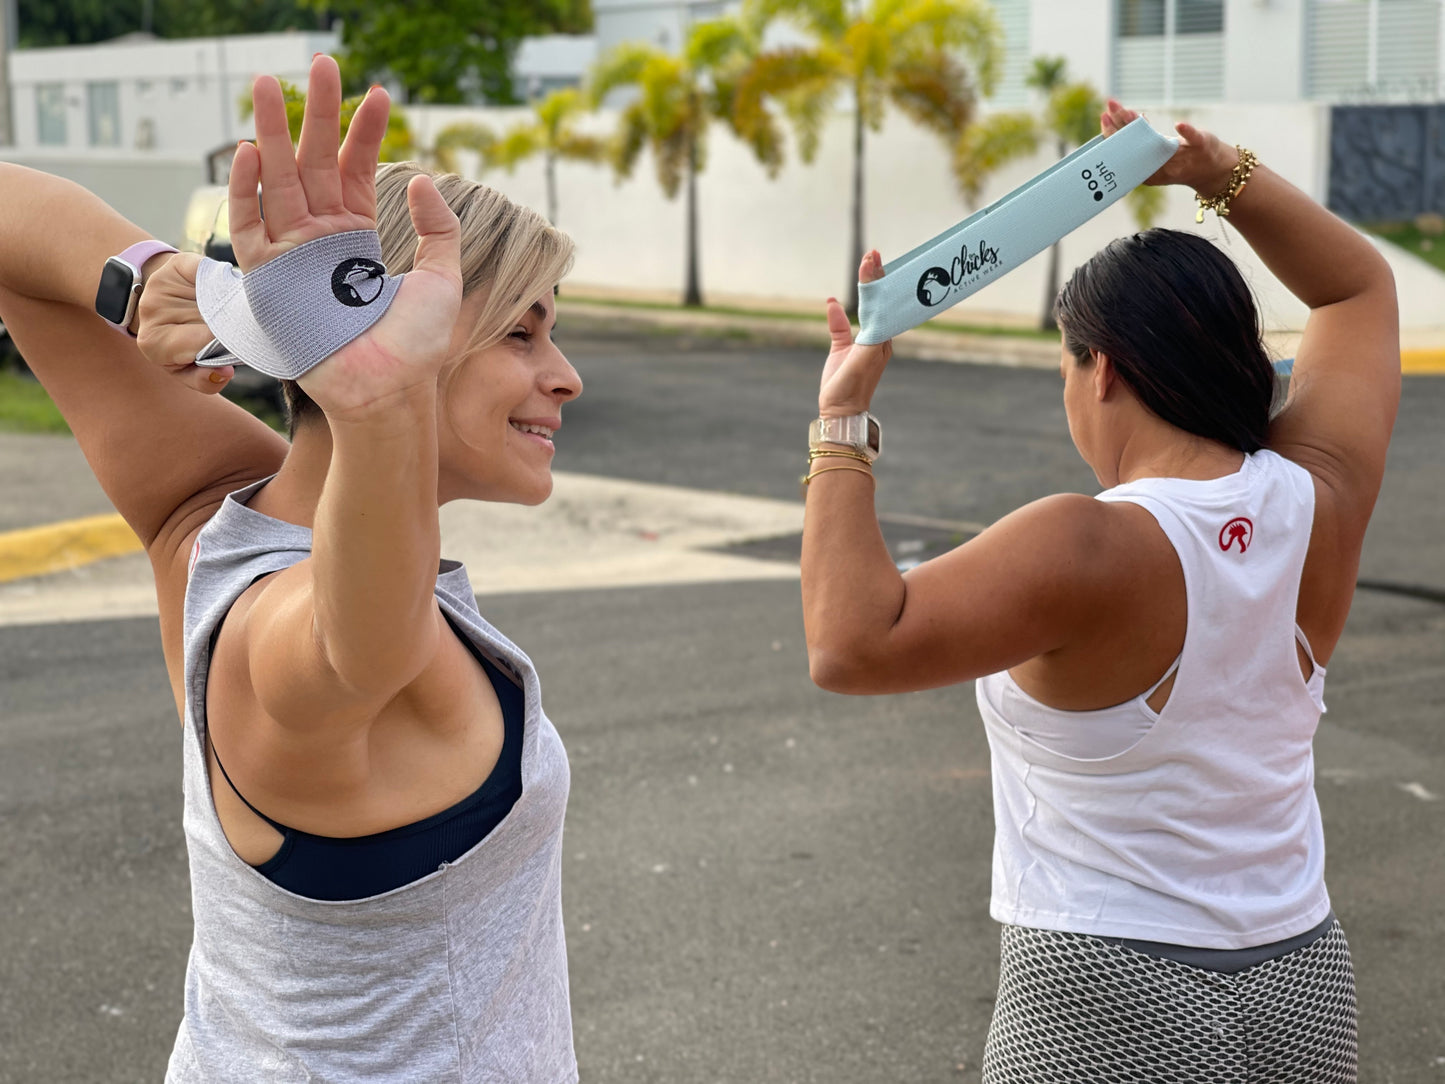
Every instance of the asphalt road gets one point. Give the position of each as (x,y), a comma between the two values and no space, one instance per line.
(765,882)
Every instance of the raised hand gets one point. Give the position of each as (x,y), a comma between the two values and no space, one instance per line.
(852,372)
(1203,161)
(325,187)
(320,187)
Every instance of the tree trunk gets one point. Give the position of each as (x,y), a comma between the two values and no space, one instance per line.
(1051,290)
(855,251)
(691,293)
(1051,286)
(551,188)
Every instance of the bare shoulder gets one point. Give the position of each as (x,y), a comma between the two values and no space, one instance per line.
(1042,579)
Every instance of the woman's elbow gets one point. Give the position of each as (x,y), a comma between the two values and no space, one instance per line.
(839,671)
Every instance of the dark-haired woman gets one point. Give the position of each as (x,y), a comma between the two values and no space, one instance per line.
(1150,662)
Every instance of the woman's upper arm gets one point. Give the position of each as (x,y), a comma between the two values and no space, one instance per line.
(1343,396)
(158,448)
(1025,586)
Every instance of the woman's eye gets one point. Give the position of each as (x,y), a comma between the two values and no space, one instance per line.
(521,333)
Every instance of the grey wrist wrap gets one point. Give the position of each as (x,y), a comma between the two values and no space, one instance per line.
(987,245)
(291,313)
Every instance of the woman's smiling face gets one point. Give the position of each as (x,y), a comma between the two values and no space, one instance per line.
(498,407)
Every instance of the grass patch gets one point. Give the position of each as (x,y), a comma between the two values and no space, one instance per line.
(773,314)
(1430,247)
(26,408)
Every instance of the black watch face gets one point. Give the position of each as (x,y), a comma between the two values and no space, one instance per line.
(113,297)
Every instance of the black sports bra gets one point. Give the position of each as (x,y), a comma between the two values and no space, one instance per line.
(354,867)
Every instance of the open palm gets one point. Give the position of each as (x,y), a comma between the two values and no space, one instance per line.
(324,187)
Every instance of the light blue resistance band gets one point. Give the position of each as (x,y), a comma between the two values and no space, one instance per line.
(989,244)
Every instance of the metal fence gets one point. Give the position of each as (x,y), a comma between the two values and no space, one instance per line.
(1387,162)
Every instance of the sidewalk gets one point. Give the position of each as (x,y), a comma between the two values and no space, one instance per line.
(55,521)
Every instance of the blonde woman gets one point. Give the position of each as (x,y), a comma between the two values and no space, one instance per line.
(373,795)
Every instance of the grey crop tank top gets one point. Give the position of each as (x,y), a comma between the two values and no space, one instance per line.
(458,977)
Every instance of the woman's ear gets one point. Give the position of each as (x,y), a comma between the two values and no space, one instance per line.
(1104,376)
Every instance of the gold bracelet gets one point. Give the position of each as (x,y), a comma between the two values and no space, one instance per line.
(1238,178)
(808,478)
(819,453)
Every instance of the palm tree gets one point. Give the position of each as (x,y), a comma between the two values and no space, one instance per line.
(932,59)
(1071,118)
(553,134)
(677,98)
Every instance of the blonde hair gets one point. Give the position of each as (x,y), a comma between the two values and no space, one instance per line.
(509,251)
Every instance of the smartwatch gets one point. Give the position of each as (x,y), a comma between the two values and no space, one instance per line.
(860,432)
(120,283)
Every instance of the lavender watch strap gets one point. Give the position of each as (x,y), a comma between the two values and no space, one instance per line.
(137,255)
(141,251)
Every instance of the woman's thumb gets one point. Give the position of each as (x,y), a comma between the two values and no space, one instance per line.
(439,234)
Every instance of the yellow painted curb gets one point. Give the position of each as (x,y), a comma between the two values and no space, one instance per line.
(35,551)
(1422,361)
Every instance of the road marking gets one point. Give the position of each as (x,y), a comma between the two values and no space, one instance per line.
(1422,361)
(593,533)
(1415,790)
(55,547)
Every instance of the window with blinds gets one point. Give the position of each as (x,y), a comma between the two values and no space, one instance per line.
(1370,50)
(1013,17)
(1169,51)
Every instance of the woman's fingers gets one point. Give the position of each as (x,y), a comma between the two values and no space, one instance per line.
(1191,135)
(316,157)
(285,198)
(360,152)
(871,269)
(243,211)
(439,234)
(840,331)
(209,381)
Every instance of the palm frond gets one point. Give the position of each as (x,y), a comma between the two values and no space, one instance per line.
(631,138)
(559,107)
(934,91)
(807,110)
(986,145)
(822,18)
(623,65)
(713,43)
(584,148)
(1146,204)
(464,136)
(1047,73)
(1073,112)
(518,144)
(802,81)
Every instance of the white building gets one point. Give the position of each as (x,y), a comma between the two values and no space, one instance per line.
(1171,52)
(172,98)
(1212,52)
(550,62)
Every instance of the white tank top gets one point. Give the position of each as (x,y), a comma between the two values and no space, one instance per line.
(1197,825)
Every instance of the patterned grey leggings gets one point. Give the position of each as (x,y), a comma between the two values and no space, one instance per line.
(1073,1008)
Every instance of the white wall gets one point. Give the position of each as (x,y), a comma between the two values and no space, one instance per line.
(786,241)
(1080,31)
(1264,50)
(151,190)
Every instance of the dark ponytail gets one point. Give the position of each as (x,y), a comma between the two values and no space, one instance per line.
(1181,328)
